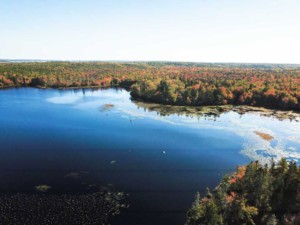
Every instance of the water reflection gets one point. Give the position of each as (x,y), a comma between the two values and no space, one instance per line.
(78,140)
(250,123)
(267,133)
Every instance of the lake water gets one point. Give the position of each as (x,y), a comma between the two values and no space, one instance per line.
(73,140)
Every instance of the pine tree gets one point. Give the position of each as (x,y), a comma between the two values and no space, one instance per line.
(254,194)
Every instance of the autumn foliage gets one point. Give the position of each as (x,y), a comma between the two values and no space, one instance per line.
(195,84)
(254,194)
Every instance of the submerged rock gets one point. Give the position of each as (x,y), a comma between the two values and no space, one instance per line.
(42,188)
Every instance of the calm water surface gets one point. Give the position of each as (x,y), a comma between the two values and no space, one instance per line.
(75,140)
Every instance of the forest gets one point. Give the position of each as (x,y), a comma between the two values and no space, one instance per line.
(254,194)
(194,84)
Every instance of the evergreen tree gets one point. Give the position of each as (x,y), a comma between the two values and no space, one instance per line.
(252,195)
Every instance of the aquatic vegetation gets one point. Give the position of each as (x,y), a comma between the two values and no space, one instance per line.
(216,111)
(264,136)
(106,107)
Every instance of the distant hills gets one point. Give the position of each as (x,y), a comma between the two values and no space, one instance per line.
(172,63)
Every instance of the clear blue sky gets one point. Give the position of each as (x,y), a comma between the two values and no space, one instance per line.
(260,31)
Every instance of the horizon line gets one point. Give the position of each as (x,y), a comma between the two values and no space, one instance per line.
(145,61)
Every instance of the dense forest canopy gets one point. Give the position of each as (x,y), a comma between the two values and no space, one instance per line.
(174,83)
(254,194)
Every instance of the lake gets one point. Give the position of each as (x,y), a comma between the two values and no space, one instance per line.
(74,140)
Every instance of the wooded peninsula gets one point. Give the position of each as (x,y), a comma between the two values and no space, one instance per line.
(254,194)
(193,84)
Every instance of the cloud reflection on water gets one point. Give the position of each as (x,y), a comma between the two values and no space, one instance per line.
(286,133)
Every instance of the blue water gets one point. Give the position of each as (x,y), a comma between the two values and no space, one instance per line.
(103,138)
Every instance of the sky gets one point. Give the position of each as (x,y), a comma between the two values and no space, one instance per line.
(256,31)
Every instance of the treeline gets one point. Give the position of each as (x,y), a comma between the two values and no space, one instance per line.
(272,86)
(254,194)
(66,74)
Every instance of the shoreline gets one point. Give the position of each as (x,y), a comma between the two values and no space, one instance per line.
(216,111)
